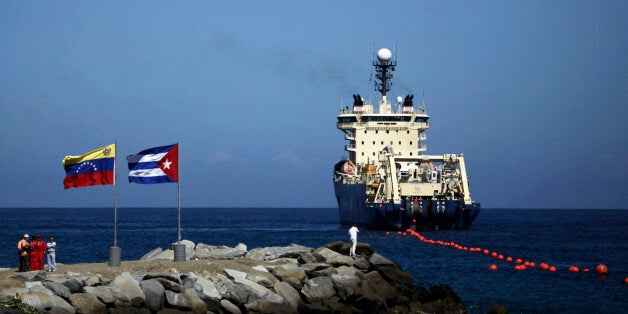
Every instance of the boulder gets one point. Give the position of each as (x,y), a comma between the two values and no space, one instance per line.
(208,287)
(172,276)
(170,285)
(165,255)
(233,292)
(275,252)
(235,274)
(104,293)
(154,293)
(197,304)
(178,301)
(258,291)
(292,275)
(87,303)
(57,289)
(391,270)
(30,276)
(75,285)
(265,306)
(288,293)
(333,258)
(319,288)
(204,251)
(229,307)
(130,288)
(35,287)
(47,303)
(93,280)
(150,256)
(377,291)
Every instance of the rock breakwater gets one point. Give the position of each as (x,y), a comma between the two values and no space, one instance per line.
(219,279)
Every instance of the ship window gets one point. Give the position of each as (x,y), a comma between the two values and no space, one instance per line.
(362,142)
(410,153)
(408,132)
(373,153)
(410,142)
(362,153)
(373,142)
(376,131)
(387,131)
(390,142)
(364,131)
(399,142)
(382,142)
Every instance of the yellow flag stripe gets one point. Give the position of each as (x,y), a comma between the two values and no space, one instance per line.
(108,151)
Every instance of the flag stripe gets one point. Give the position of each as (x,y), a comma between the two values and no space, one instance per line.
(88,166)
(144,165)
(133,159)
(151,180)
(154,172)
(88,179)
(108,151)
(156,150)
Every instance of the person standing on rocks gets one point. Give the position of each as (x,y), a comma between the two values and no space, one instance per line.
(38,248)
(50,254)
(353,234)
(23,250)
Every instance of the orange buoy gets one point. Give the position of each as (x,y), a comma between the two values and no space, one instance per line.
(586,270)
(500,256)
(601,269)
(626,280)
(486,252)
(552,269)
(494,255)
(492,267)
(526,263)
(387,232)
(532,264)
(508,259)
(544,266)
(519,261)
(574,269)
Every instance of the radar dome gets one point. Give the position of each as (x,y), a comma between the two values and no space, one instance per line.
(384,55)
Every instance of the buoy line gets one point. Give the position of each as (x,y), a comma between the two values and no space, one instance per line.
(520,264)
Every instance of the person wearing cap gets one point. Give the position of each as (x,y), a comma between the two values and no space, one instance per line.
(353,234)
(50,254)
(23,250)
(38,249)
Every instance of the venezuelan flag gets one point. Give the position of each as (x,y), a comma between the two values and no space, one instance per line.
(93,168)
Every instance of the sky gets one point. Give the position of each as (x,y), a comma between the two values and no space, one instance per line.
(533,93)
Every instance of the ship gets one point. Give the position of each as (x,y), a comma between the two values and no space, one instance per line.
(386,182)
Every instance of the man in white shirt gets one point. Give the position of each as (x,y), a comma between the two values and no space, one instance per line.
(353,234)
(50,253)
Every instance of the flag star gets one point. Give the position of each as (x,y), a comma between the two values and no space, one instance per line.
(167,164)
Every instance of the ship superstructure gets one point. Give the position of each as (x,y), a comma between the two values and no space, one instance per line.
(386,182)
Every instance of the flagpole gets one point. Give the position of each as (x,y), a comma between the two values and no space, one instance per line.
(179,249)
(115,197)
(115,252)
(179,193)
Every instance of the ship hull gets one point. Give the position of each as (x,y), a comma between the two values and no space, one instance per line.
(409,214)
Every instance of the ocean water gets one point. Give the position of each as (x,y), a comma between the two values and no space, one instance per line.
(559,237)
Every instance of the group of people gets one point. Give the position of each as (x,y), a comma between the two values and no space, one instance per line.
(31,253)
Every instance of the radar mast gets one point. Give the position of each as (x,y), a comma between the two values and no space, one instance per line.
(384,66)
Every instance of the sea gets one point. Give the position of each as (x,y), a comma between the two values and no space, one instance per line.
(559,237)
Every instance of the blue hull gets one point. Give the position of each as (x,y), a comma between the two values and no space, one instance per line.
(416,215)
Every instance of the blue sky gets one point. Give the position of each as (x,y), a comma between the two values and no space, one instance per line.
(533,93)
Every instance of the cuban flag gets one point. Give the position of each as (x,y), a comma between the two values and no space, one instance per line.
(155,165)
